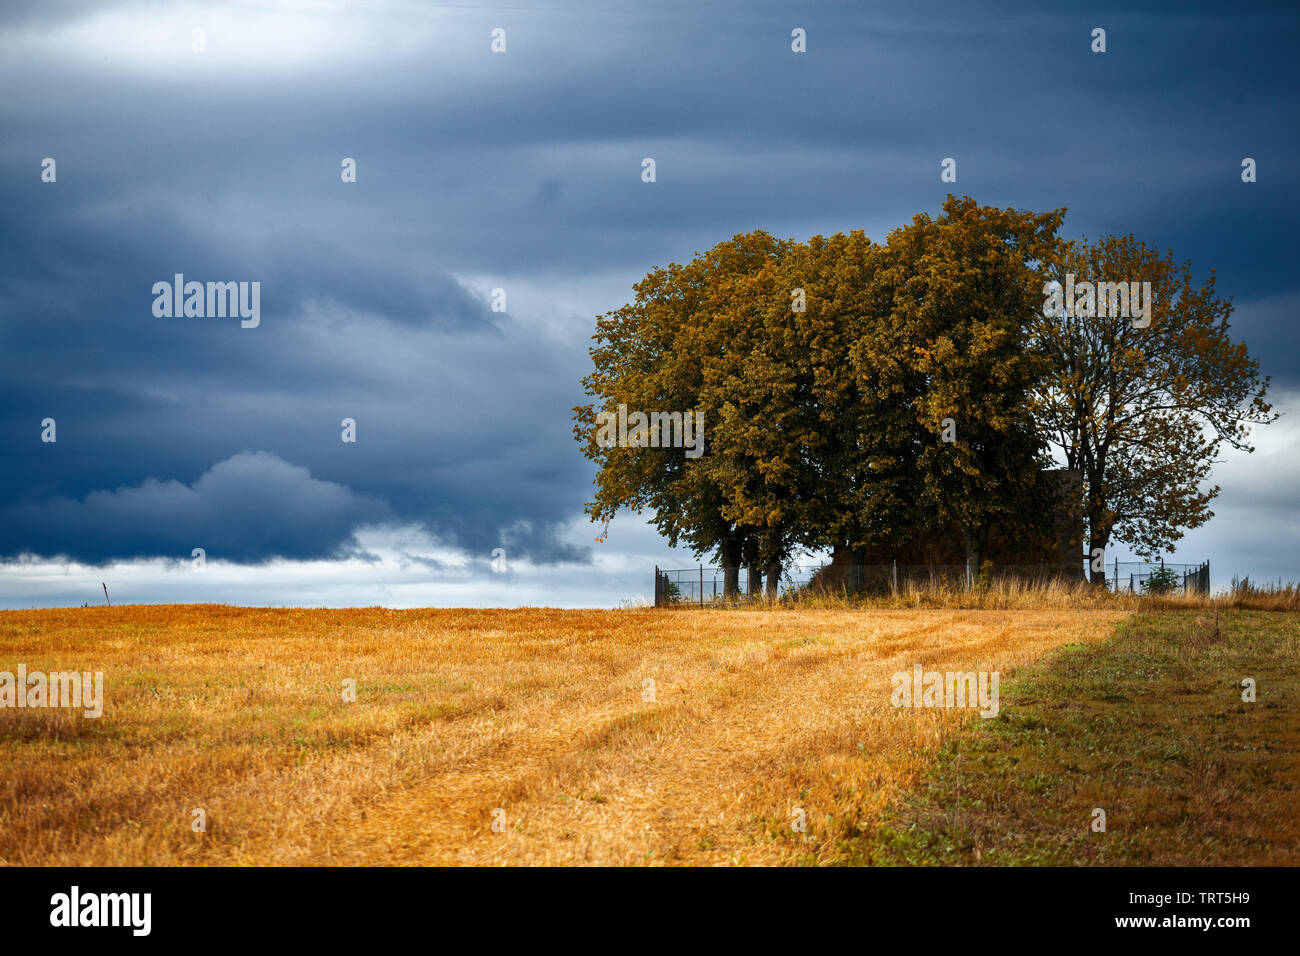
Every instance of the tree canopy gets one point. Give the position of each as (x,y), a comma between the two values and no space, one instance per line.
(856,395)
(1141,405)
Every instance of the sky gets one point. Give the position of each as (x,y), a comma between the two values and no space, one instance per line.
(521,171)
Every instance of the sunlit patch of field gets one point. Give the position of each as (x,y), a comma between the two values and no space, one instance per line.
(540,713)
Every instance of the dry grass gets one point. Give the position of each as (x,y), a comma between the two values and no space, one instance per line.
(1249,597)
(1002,594)
(537,712)
(1010,593)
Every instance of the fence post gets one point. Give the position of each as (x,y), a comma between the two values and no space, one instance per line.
(701,585)
(657,604)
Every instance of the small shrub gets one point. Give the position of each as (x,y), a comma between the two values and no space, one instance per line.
(1161,581)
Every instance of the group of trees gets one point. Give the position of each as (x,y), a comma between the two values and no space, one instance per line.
(857,393)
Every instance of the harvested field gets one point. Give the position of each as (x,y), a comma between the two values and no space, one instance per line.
(544,715)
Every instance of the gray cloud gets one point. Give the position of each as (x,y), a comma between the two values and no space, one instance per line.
(249,508)
(523,171)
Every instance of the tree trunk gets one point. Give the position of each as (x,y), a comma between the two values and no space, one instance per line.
(773,579)
(981,545)
(972,557)
(1099,531)
(845,571)
(731,558)
(1096,577)
(752,566)
(844,556)
(731,582)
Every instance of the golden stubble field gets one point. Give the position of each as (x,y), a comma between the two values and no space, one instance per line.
(538,713)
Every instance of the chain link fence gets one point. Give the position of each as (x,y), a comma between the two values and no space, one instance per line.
(707,586)
(1157,577)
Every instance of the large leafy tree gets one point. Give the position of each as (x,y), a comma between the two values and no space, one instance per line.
(849,428)
(830,374)
(754,334)
(679,346)
(753,392)
(1142,410)
(790,444)
(947,367)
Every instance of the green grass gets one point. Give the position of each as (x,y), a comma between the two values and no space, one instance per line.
(1150,727)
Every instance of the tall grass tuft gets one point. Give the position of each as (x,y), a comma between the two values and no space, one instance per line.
(1013,593)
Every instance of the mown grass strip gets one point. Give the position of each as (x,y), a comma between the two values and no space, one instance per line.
(1150,727)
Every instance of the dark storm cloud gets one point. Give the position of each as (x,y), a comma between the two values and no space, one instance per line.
(248,508)
(523,171)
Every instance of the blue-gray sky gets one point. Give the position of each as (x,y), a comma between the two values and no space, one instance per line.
(522,170)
